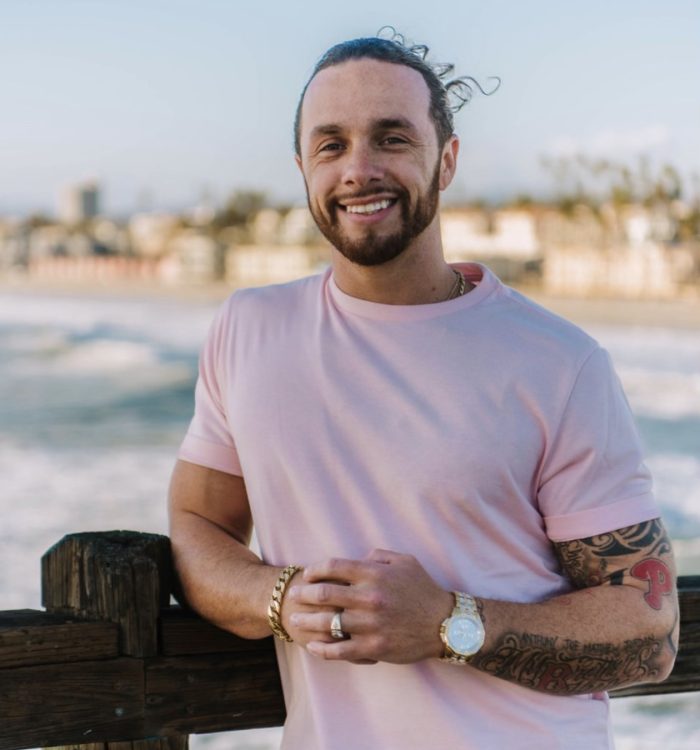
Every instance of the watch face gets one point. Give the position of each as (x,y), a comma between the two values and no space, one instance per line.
(465,634)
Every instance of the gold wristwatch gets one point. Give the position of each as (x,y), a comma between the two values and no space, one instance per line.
(463,631)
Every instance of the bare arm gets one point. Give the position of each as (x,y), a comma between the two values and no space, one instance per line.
(223,580)
(619,628)
(210,528)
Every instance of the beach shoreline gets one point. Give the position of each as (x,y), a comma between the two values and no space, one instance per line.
(640,313)
(683,313)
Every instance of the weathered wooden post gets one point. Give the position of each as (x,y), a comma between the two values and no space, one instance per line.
(123,577)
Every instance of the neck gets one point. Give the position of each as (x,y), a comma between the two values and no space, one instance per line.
(418,276)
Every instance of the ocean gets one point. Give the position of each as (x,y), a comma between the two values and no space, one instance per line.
(95,395)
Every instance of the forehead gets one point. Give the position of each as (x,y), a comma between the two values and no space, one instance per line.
(362,91)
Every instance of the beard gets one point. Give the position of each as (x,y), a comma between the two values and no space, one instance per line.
(373,249)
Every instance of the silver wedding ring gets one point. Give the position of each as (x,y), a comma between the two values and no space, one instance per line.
(337,627)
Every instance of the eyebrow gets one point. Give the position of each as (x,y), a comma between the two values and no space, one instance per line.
(383,123)
(320,130)
(394,123)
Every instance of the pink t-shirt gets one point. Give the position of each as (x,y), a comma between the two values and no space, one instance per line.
(470,433)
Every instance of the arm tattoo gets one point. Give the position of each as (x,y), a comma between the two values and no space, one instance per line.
(646,536)
(592,561)
(561,666)
(659,580)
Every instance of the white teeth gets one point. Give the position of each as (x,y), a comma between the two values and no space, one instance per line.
(368,208)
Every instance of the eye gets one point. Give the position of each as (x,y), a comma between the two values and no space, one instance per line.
(333,146)
(394,140)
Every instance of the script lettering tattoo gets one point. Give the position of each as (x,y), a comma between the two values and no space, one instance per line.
(564,667)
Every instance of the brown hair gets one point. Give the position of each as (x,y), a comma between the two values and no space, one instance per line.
(446,96)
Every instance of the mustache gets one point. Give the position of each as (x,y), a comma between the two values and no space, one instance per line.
(369,192)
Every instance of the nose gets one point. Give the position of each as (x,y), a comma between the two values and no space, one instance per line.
(361,166)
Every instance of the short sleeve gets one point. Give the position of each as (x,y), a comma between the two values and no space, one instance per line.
(209,441)
(593,477)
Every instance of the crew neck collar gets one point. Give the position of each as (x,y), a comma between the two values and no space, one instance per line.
(485,282)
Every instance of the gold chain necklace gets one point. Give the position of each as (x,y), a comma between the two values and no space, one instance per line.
(458,288)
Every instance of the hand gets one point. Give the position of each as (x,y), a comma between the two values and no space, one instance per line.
(291,607)
(391,609)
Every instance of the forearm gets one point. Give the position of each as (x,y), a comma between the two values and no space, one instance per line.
(591,640)
(222,579)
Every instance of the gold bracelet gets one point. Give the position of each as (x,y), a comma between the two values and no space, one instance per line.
(274,610)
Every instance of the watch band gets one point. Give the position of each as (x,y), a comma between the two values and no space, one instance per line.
(465,604)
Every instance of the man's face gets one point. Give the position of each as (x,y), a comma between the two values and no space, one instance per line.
(370,158)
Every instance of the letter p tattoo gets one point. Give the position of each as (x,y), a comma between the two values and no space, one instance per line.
(658,576)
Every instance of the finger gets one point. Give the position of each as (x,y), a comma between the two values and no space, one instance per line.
(316,622)
(327,595)
(336,569)
(349,650)
(385,556)
(322,622)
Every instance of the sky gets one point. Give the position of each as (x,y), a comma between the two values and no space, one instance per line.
(162,101)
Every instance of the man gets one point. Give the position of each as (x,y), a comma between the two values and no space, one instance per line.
(454,468)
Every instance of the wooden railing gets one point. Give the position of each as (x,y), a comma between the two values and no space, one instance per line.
(111,665)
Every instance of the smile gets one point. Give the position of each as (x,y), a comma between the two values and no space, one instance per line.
(369,208)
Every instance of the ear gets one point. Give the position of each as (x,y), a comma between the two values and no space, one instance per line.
(297,159)
(448,161)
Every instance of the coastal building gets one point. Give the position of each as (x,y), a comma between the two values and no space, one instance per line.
(257,265)
(265,227)
(629,251)
(505,239)
(14,245)
(297,227)
(52,240)
(193,258)
(150,233)
(625,252)
(293,226)
(79,203)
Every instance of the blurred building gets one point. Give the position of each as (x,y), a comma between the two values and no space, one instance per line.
(257,265)
(193,258)
(78,203)
(626,252)
(506,239)
(14,244)
(151,233)
(297,227)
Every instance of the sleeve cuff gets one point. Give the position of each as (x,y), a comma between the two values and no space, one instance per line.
(602,519)
(195,450)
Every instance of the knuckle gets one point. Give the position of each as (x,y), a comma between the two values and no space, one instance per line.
(376,646)
(375,600)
